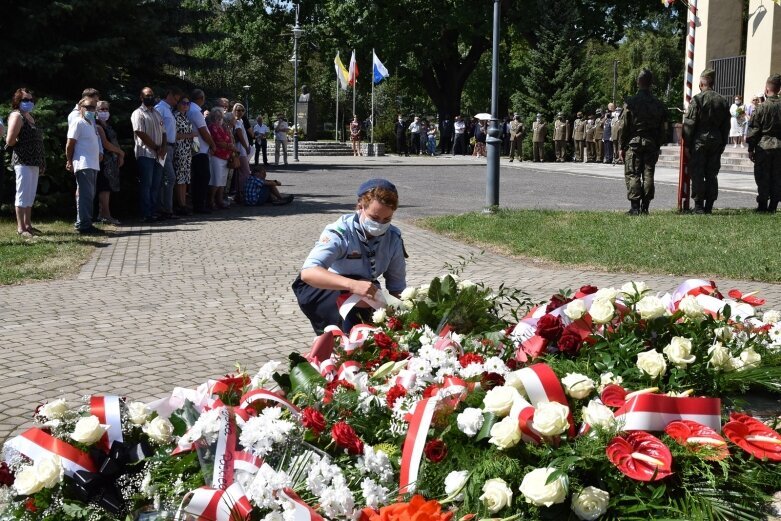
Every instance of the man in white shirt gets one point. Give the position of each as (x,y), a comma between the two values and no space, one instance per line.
(165,108)
(414,133)
(82,154)
(459,128)
(150,149)
(201,172)
(261,139)
(280,138)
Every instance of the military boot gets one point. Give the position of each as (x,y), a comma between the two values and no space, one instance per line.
(635,210)
(644,206)
(761,207)
(708,206)
(771,208)
(699,209)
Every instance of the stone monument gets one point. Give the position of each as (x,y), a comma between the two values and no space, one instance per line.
(307,115)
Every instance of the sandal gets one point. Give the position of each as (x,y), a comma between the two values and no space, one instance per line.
(283,201)
(25,234)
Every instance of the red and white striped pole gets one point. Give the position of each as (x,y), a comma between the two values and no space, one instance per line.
(684,181)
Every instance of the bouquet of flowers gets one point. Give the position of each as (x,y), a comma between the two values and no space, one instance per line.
(457,402)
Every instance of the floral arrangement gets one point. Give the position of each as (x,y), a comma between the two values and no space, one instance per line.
(458,402)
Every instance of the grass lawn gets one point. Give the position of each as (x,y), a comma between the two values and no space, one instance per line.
(730,243)
(58,253)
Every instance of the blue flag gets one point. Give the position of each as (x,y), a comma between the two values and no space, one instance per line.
(380,72)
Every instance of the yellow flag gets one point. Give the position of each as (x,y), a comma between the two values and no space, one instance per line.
(341,72)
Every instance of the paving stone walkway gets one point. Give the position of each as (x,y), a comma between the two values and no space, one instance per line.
(177,303)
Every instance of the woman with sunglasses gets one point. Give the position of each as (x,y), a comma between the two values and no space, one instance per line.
(183,155)
(26,140)
(113,159)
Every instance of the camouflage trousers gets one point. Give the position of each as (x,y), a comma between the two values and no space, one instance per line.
(767,174)
(639,166)
(704,166)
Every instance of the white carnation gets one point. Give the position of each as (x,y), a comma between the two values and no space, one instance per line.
(470,421)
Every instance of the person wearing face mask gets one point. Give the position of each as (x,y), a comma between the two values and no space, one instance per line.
(83,156)
(539,133)
(615,135)
(150,150)
(25,139)
(401,136)
(737,122)
(113,159)
(591,145)
(350,256)
(579,136)
(459,129)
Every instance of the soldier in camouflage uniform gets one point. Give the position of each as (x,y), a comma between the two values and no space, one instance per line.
(642,134)
(560,134)
(764,146)
(706,133)
(517,133)
(579,134)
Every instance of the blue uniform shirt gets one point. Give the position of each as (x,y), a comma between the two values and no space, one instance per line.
(343,249)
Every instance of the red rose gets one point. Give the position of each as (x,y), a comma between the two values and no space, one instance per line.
(313,420)
(394,324)
(549,327)
(512,364)
(382,340)
(435,450)
(345,437)
(394,393)
(491,380)
(556,301)
(570,341)
(29,505)
(588,289)
(414,325)
(470,358)
(6,476)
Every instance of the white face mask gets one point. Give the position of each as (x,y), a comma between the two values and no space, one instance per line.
(103,116)
(372,227)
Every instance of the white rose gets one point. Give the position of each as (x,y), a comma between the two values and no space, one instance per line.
(679,352)
(652,363)
(55,409)
(496,495)
(138,413)
(407,304)
(455,483)
(690,307)
(651,307)
(575,309)
(723,333)
(771,316)
(500,400)
(577,385)
(49,471)
(160,430)
(590,503)
(536,492)
(609,294)
(719,356)
(550,418)
(88,430)
(470,421)
(750,358)
(409,293)
(379,316)
(598,415)
(602,311)
(26,481)
(513,379)
(609,378)
(506,433)
(634,288)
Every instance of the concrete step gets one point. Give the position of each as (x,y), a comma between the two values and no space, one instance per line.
(733,160)
(333,148)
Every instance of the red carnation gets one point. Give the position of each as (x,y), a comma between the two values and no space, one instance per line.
(6,476)
(394,324)
(29,505)
(382,340)
(435,450)
(394,393)
(345,437)
(550,327)
(313,420)
(588,289)
(470,358)
(414,325)
(491,380)
(556,301)
(570,341)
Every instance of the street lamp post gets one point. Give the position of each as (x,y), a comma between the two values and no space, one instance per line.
(494,140)
(246,100)
(297,31)
(615,78)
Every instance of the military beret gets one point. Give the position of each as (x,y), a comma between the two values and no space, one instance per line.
(376,183)
(709,73)
(775,79)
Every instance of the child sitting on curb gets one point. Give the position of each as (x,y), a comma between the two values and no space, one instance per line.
(258,190)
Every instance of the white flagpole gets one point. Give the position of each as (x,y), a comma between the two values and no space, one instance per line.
(355,80)
(372,120)
(336,126)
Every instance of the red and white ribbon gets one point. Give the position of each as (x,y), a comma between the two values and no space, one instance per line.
(301,511)
(653,412)
(107,410)
(245,461)
(227,437)
(264,394)
(542,386)
(358,335)
(36,444)
(348,370)
(347,304)
(209,504)
(412,453)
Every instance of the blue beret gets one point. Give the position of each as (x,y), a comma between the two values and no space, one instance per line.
(376,183)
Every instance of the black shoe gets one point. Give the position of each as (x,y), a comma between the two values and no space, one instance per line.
(202,210)
(149,220)
(91,231)
(699,209)
(708,207)
(635,209)
(644,204)
(771,208)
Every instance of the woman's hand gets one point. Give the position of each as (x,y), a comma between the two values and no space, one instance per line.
(363,288)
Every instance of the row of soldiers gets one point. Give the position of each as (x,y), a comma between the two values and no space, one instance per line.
(594,138)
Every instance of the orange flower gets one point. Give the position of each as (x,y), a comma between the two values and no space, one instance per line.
(416,510)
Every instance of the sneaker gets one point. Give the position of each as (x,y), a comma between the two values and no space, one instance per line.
(109,220)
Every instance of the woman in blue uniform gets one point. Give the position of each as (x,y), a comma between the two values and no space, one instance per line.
(350,256)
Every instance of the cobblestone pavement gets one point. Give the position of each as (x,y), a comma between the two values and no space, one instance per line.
(177,303)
